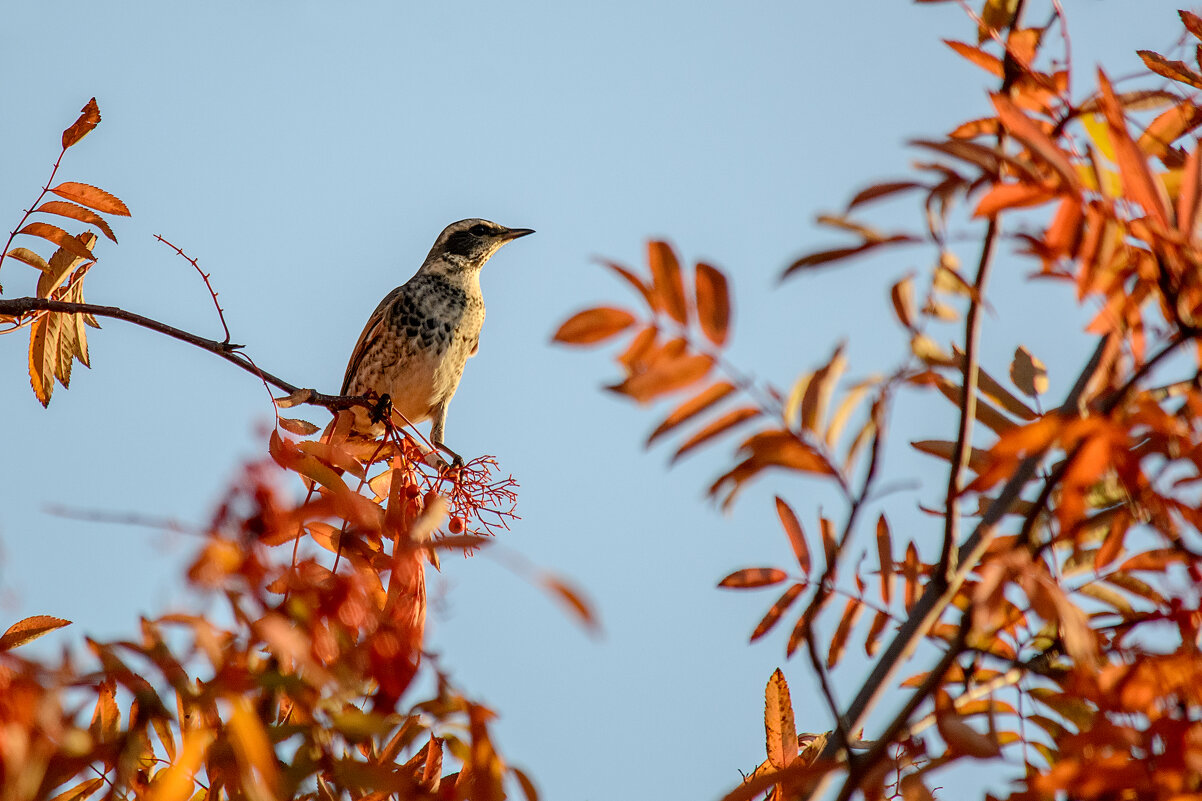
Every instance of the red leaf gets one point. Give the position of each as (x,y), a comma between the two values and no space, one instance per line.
(668,283)
(778,722)
(593,325)
(635,282)
(92,197)
(750,577)
(713,303)
(83,126)
(1030,134)
(878,191)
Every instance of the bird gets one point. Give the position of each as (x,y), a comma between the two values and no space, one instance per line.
(414,346)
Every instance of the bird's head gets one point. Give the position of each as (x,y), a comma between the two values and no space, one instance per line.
(467,244)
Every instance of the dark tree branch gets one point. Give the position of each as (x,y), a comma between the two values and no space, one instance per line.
(18,307)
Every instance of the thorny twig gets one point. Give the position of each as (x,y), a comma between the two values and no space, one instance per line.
(205,277)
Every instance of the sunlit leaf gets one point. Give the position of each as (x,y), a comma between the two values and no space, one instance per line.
(75,212)
(28,256)
(778,609)
(781,732)
(797,537)
(1173,70)
(88,119)
(851,613)
(692,407)
(59,237)
(884,549)
(40,378)
(665,378)
(30,629)
(750,577)
(594,325)
(902,295)
(1010,196)
(573,600)
(715,428)
(92,197)
(713,303)
(668,282)
(1138,182)
(879,191)
(302,428)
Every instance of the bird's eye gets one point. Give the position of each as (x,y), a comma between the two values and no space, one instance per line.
(479,229)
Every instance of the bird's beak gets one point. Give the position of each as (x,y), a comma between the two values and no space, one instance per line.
(514,233)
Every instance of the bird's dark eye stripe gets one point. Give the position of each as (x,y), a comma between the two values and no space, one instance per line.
(479,229)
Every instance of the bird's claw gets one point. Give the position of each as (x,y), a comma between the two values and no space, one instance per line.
(382,410)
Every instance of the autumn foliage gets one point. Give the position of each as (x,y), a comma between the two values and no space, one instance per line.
(1046,619)
(296,681)
(1048,616)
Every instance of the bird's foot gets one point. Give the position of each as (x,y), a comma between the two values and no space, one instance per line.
(382,410)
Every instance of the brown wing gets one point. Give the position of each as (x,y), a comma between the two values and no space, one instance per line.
(371,331)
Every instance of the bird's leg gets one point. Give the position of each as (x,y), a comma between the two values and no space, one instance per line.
(437,429)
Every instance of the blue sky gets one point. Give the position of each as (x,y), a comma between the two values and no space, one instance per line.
(308,153)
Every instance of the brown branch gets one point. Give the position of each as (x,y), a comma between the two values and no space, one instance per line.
(230,352)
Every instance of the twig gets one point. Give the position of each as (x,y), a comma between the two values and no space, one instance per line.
(226,350)
(13,234)
(205,277)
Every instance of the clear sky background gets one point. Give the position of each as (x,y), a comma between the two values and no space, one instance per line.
(307,153)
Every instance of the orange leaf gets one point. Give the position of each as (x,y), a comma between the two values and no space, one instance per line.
(974,128)
(1192,22)
(432,769)
(92,197)
(1009,196)
(851,614)
(574,601)
(594,325)
(252,747)
(1174,70)
(817,396)
(1137,179)
(1167,128)
(30,629)
(106,718)
(797,537)
(692,407)
(750,577)
(781,731)
(64,209)
(902,295)
(716,428)
(713,303)
(635,282)
(81,791)
(884,549)
(1025,130)
(1191,189)
(668,283)
(301,428)
(778,609)
(977,56)
(872,641)
(40,378)
(59,237)
(83,126)
(664,378)
(782,449)
(881,191)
